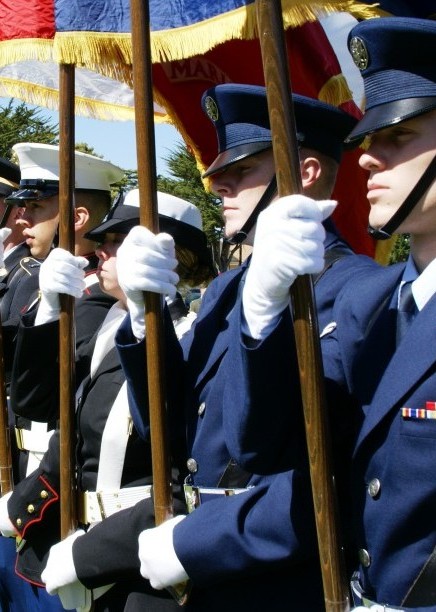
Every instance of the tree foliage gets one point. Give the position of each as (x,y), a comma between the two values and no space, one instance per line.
(19,123)
(401,249)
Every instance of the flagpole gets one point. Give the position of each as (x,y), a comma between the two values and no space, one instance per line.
(6,479)
(284,141)
(66,322)
(145,148)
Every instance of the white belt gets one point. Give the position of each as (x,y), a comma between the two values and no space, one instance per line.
(34,440)
(94,506)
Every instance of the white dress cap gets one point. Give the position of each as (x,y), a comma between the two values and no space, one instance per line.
(41,161)
(170,206)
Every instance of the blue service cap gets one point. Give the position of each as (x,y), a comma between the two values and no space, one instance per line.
(395,58)
(240,116)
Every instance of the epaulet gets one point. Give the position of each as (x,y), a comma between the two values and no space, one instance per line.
(30,265)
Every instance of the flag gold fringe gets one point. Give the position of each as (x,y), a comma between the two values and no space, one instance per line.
(12,51)
(47,97)
(112,52)
(335,91)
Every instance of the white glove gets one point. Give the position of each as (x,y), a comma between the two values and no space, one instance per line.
(361,609)
(159,562)
(5,232)
(288,243)
(6,527)
(145,262)
(60,577)
(61,272)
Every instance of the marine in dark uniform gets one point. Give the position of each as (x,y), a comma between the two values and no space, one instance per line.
(34,206)
(112,459)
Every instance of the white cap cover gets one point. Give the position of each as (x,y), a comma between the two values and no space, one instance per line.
(41,161)
(170,206)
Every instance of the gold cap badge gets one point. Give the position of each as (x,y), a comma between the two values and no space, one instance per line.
(211,108)
(359,53)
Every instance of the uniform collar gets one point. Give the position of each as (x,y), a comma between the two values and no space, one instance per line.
(424,284)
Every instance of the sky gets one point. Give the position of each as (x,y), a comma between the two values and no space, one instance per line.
(116,141)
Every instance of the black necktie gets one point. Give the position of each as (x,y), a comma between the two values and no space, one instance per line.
(407,310)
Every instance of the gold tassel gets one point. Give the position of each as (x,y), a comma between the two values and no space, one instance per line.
(335,91)
(13,51)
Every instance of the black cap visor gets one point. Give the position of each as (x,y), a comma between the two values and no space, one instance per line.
(385,115)
(32,190)
(229,157)
(184,234)
(112,226)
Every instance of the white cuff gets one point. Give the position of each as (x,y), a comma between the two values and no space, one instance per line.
(7,528)
(46,312)
(60,570)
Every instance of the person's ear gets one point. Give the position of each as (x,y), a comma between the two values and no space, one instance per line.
(81,217)
(310,168)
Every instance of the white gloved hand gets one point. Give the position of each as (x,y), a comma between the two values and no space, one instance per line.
(61,272)
(159,562)
(5,232)
(360,609)
(60,576)
(145,262)
(288,243)
(7,529)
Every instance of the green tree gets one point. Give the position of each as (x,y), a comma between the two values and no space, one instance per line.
(185,182)
(19,123)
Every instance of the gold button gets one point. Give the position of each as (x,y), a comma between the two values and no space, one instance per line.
(43,494)
(19,522)
(30,508)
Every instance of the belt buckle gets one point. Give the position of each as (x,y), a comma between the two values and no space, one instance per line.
(19,438)
(192,497)
(85,515)
(229,492)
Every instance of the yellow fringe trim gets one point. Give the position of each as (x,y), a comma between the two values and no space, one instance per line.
(47,97)
(18,50)
(111,50)
(335,91)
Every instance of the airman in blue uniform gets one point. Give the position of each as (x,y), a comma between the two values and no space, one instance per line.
(378,352)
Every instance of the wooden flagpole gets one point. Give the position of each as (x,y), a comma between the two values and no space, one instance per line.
(277,81)
(145,147)
(6,479)
(66,322)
